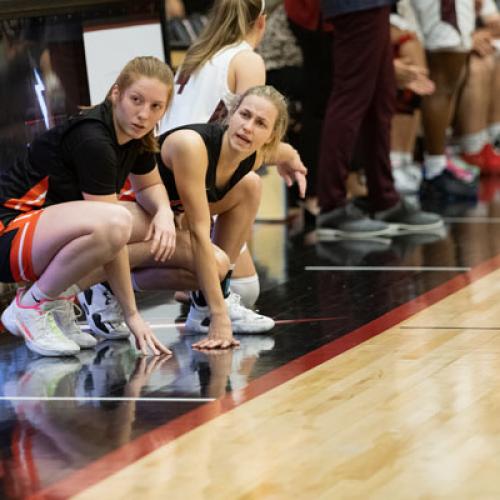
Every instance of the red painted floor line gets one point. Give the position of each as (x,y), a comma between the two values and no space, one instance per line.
(115,461)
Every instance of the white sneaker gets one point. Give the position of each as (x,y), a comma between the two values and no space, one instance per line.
(243,320)
(104,314)
(66,319)
(38,325)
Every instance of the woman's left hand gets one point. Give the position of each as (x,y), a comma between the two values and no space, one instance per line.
(293,170)
(162,234)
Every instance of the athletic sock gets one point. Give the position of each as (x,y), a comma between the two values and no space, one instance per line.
(473,143)
(494,132)
(199,299)
(397,159)
(434,165)
(34,296)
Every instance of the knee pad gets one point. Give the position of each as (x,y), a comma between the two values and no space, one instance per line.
(247,288)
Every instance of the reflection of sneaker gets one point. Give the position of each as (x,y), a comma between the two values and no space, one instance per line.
(243,320)
(42,377)
(38,325)
(348,222)
(404,244)
(405,216)
(351,252)
(104,314)
(66,318)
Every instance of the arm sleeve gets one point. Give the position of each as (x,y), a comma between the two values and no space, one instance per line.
(91,151)
(144,164)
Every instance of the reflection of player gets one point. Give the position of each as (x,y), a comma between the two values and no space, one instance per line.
(211,373)
(54,438)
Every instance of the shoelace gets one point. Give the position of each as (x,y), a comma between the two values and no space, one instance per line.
(47,324)
(69,312)
(235,304)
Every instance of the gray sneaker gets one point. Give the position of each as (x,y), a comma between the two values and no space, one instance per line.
(407,217)
(349,222)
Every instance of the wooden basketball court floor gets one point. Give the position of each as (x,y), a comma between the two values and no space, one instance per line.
(380,380)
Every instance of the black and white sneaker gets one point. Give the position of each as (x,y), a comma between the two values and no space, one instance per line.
(104,314)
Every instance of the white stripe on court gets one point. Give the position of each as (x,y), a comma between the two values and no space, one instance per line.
(387,268)
(485,220)
(83,398)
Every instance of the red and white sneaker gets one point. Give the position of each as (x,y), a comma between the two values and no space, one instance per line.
(488,159)
(39,327)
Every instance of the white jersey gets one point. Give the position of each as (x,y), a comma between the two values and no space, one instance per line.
(446,25)
(205,91)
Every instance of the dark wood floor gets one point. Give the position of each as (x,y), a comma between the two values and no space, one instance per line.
(57,416)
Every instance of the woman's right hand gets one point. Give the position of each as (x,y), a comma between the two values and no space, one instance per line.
(220,334)
(145,339)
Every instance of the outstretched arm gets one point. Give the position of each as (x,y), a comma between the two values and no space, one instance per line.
(290,166)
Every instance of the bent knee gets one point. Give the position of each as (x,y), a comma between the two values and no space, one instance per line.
(115,227)
(251,186)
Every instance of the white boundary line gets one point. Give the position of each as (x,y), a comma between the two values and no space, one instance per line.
(75,398)
(386,268)
(485,220)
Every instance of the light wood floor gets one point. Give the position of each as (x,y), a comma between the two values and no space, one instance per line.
(412,413)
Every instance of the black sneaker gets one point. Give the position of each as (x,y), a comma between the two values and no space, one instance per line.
(404,216)
(448,185)
(349,222)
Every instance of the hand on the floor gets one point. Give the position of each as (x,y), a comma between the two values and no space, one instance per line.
(145,339)
(162,234)
(220,334)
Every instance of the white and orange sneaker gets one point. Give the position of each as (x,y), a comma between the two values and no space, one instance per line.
(66,319)
(39,327)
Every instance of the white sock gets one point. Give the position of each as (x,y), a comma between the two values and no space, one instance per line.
(434,165)
(34,296)
(397,159)
(407,158)
(494,132)
(473,143)
(248,288)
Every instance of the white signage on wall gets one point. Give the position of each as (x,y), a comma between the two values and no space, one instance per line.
(108,49)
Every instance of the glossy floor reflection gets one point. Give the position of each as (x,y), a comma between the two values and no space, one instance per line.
(59,415)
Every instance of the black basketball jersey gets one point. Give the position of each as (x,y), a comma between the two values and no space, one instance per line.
(212,134)
(81,155)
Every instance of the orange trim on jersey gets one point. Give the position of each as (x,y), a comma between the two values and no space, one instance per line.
(34,198)
(21,263)
(127,193)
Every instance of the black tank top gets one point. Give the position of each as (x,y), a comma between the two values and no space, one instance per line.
(212,134)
